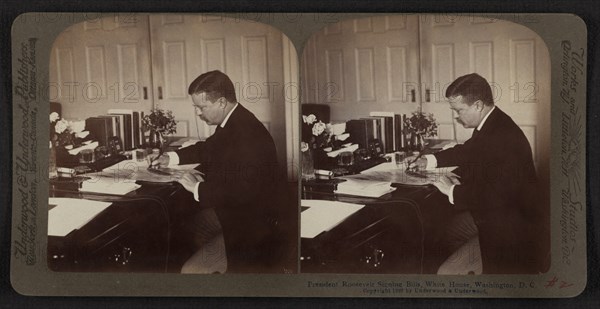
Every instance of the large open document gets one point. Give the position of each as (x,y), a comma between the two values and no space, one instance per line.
(320,216)
(397,174)
(130,171)
(121,178)
(68,214)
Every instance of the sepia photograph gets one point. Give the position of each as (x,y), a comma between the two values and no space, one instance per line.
(425,147)
(244,154)
(170,146)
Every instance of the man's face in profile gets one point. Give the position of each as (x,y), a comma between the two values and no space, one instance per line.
(210,112)
(468,115)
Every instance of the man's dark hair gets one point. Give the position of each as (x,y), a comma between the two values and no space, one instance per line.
(471,87)
(215,84)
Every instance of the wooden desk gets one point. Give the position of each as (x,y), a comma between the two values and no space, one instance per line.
(396,233)
(134,234)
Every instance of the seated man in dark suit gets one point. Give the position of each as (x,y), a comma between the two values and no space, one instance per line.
(238,177)
(494,195)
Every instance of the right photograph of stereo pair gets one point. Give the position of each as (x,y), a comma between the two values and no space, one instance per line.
(425,147)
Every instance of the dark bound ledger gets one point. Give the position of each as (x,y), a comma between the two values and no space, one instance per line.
(100,128)
(136,130)
(361,132)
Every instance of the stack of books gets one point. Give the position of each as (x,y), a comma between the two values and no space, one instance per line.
(387,127)
(123,123)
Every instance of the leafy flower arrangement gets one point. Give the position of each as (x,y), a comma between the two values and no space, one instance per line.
(315,133)
(422,124)
(159,121)
(64,132)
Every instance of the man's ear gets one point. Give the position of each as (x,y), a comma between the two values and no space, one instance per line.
(479,105)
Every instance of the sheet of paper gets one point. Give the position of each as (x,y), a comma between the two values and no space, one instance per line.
(440,144)
(449,145)
(184,142)
(322,216)
(385,166)
(68,214)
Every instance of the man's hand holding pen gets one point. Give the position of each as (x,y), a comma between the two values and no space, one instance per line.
(188,179)
(418,163)
(414,163)
(157,160)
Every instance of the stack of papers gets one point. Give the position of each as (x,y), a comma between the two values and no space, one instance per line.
(364,187)
(68,214)
(342,137)
(322,216)
(109,185)
(75,151)
(350,148)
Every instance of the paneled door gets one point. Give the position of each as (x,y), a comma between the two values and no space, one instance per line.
(250,53)
(513,59)
(102,63)
(361,65)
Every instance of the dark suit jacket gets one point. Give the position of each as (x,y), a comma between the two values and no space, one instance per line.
(241,183)
(499,188)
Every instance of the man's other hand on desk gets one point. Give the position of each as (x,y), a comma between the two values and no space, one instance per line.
(189,180)
(446,185)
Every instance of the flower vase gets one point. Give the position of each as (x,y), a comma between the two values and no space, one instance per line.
(308,164)
(156,139)
(417,142)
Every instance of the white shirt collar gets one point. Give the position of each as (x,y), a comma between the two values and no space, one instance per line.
(485,118)
(228,115)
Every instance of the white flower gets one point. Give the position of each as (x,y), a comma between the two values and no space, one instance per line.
(310,119)
(61,126)
(54,116)
(303,146)
(318,128)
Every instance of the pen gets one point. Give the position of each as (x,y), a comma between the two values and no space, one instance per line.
(413,161)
